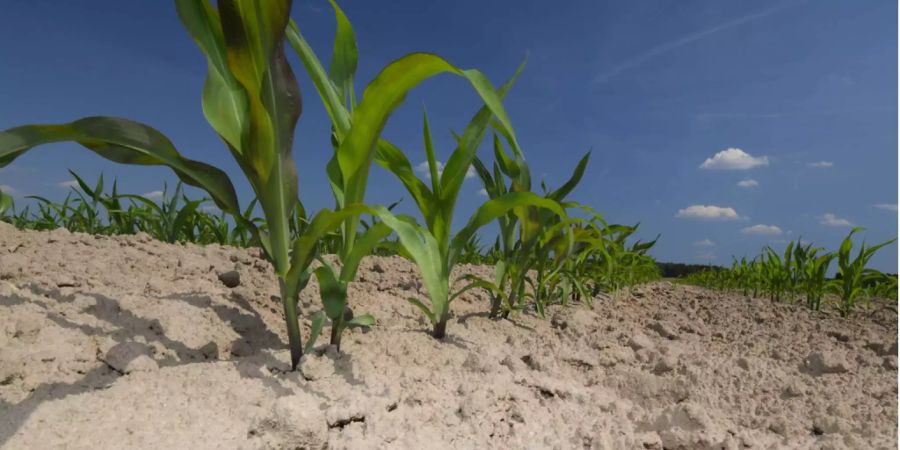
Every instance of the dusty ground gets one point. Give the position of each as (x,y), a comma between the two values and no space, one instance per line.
(129,343)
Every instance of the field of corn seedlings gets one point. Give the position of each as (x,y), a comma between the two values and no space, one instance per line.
(181,322)
(799,274)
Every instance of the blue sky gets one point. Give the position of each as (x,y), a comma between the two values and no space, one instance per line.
(805,92)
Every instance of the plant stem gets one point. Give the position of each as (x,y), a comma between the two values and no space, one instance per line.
(289,299)
(440,328)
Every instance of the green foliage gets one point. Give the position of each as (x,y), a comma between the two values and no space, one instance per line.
(801,272)
(546,252)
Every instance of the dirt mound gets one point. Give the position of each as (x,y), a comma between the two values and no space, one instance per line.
(124,342)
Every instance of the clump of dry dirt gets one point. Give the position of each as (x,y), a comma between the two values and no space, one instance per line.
(124,342)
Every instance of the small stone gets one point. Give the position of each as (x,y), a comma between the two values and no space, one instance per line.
(128,357)
(890,362)
(230,279)
(743,363)
(826,362)
(663,330)
(665,364)
(640,341)
(792,390)
(558,322)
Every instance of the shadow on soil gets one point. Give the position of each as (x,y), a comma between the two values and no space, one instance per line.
(255,337)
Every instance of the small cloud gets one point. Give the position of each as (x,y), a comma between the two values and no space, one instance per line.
(423,169)
(734,159)
(748,183)
(8,190)
(68,184)
(705,243)
(154,195)
(770,230)
(483,192)
(707,212)
(887,206)
(831,220)
(821,164)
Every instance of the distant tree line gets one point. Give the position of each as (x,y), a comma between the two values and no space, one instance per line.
(678,270)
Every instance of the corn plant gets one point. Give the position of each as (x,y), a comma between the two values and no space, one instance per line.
(356,126)
(853,271)
(801,271)
(529,236)
(431,246)
(250,99)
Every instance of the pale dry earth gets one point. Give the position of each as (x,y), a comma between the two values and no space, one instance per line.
(124,342)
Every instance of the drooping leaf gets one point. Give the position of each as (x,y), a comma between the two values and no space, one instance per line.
(123,141)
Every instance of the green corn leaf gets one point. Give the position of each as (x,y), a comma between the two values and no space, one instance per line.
(224,100)
(363,247)
(573,181)
(424,250)
(384,94)
(393,159)
(318,321)
(332,291)
(304,249)
(6,202)
(329,94)
(343,59)
(459,161)
(495,208)
(423,308)
(362,320)
(430,157)
(123,141)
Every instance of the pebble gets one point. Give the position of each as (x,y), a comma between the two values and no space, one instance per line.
(230,279)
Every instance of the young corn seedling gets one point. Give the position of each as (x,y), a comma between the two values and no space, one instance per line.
(853,271)
(6,204)
(250,99)
(356,126)
(432,247)
(528,235)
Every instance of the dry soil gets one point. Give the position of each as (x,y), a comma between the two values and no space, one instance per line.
(125,342)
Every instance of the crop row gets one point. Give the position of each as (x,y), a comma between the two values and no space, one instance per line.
(550,249)
(800,273)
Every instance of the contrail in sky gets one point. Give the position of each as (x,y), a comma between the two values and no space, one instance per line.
(672,45)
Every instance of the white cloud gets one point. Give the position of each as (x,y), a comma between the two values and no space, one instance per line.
(832,220)
(821,164)
(887,206)
(705,243)
(153,195)
(748,183)
(762,229)
(734,159)
(8,190)
(483,192)
(707,212)
(68,184)
(423,169)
